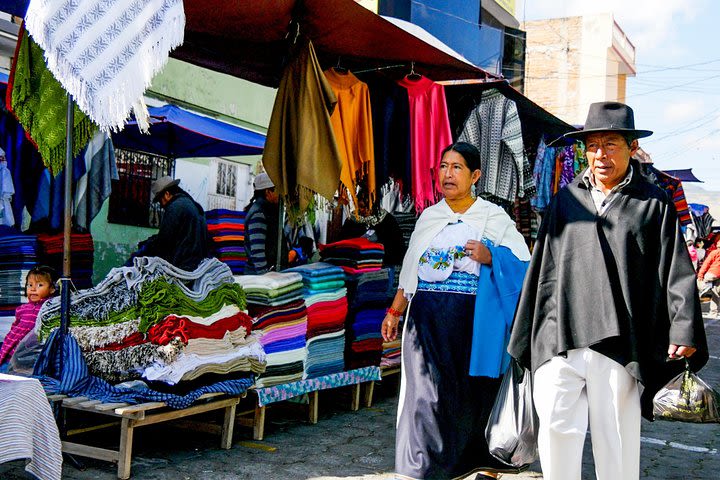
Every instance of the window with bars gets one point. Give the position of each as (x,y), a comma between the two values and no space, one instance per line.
(130,202)
(226,181)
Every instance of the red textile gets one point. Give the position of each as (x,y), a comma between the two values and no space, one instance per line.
(429,134)
(174,327)
(360,243)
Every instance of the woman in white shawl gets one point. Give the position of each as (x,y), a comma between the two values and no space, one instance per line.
(443,410)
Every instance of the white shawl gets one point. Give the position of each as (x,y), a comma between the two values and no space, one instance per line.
(106,52)
(488,219)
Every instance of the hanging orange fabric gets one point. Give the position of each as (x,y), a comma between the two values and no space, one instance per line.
(352,123)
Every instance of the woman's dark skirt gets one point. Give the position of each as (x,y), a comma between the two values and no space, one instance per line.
(443,411)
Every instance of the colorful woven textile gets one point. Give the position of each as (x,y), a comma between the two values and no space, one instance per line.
(283,392)
(227,229)
(40,104)
(70,376)
(105,53)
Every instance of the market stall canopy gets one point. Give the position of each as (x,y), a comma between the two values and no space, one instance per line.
(15,7)
(684,175)
(179,133)
(250,39)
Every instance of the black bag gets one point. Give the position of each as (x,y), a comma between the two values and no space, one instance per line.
(511,432)
(686,398)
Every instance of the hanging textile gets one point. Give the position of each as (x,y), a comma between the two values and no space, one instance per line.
(429,135)
(674,189)
(301,155)
(494,128)
(106,53)
(7,190)
(542,174)
(352,124)
(95,186)
(391,133)
(40,104)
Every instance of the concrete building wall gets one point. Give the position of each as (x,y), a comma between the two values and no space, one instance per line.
(575,61)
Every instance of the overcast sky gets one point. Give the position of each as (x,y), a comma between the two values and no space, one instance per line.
(676,92)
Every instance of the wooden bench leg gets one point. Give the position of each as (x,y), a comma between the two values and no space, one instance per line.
(259,424)
(355,403)
(369,390)
(313,407)
(126,439)
(228,427)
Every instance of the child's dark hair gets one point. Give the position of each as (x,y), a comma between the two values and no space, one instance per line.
(48,273)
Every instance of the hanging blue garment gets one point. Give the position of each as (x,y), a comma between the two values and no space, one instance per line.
(61,369)
(499,287)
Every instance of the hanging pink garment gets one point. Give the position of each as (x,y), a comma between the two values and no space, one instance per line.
(429,135)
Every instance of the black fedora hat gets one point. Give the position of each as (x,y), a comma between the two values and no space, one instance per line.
(609,117)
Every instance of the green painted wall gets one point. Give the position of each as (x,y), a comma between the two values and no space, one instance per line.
(113,243)
(214,94)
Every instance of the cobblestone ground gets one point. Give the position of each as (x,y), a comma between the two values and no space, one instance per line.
(360,445)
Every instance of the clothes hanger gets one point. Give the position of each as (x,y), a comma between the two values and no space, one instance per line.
(413,75)
(339,68)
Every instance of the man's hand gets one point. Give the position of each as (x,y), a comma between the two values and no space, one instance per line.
(679,351)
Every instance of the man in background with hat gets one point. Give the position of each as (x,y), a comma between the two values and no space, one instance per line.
(610,296)
(261,229)
(183,236)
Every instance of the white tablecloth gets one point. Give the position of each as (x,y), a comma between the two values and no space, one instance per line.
(27,427)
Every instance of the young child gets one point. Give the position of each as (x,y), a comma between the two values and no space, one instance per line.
(39,286)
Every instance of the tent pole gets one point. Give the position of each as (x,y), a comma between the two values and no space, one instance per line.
(66,280)
(281,231)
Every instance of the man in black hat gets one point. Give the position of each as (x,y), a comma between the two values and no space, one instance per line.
(610,296)
(183,236)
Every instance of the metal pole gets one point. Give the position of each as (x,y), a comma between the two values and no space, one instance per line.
(66,275)
(281,234)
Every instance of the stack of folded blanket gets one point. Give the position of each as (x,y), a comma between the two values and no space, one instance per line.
(391,352)
(17,256)
(326,301)
(164,325)
(280,318)
(369,298)
(354,256)
(227,229)
(50,253)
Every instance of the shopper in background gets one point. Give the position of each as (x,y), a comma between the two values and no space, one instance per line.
(709,279)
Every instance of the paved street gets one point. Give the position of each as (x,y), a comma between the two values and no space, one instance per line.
(360,444)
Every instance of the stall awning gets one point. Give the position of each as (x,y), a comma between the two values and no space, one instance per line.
(250,39)
(684,175)
(179,133)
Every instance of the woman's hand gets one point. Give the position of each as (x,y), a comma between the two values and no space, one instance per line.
(389,328)
(476,250)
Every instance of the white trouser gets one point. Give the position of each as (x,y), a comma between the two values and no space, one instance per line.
(568,391)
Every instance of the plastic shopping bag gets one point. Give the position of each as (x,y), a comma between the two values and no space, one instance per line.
(511,432)
(686,398)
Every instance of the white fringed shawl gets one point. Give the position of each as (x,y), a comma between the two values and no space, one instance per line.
(488,219)
(106,52)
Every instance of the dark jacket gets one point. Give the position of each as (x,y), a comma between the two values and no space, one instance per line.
(621,283)
(183,236)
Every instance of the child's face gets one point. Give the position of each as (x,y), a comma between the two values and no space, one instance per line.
(39,287)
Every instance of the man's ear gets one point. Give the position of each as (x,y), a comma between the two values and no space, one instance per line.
(634,145)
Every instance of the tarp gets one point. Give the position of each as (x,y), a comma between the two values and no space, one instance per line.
(179,133)
(249,39)
(3,78)
(684,175)
(14,7)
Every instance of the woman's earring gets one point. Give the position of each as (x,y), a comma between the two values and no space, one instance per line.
(473,191)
